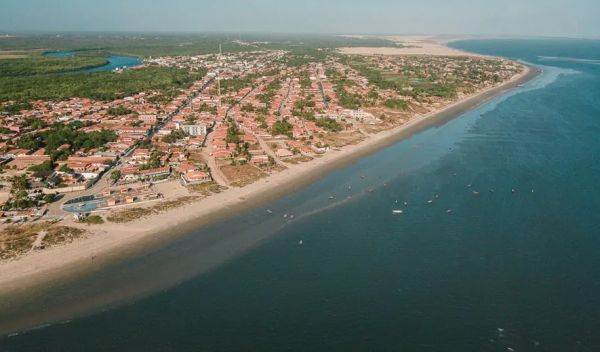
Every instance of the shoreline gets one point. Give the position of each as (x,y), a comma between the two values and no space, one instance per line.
(110,242)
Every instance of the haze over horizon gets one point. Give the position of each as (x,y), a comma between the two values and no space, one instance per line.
(461,17)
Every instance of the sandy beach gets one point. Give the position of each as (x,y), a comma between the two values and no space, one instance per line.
(109,241)
(412,45)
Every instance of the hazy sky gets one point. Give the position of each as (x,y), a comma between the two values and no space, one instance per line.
(504,17)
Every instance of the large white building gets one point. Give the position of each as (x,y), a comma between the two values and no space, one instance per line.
(192,130)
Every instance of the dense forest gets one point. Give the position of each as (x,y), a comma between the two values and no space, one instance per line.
(97,85)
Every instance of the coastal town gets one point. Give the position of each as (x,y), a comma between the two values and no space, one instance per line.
(82,162)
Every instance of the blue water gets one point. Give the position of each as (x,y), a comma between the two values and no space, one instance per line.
(505,269)
(114,61)
(60,54)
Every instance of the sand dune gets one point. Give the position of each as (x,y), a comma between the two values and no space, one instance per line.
(413,45)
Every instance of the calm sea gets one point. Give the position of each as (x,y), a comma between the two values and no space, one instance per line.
(497,249)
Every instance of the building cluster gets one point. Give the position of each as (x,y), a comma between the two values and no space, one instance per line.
(251,112)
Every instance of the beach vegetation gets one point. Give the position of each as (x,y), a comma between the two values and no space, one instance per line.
(397,104)
(132,214)
(16,240)
(92,220)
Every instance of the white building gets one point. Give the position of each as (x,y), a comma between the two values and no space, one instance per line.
(192,130)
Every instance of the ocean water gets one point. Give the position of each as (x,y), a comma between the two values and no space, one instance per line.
(514,265)
(114,61)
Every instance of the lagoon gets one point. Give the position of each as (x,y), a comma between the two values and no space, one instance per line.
(114,61)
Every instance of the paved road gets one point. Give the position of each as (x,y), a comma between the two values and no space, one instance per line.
(55,209)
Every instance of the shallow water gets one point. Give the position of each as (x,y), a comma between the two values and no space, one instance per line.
(114,61)
(515,264)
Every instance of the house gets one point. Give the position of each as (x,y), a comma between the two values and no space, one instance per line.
(283,153)
(260,159)
(159,172)
(140,155)
(195,177)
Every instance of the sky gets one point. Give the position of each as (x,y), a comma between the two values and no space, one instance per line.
(573,18)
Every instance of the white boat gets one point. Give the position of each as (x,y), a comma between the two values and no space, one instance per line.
(300,242)
(429,201)
(397,211)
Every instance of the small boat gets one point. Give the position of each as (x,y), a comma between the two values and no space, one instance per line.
(291,216)
(405,204)
(469,185)
(349,188)
(475,193)
(331,197)
(300,242)
(363,177)
(449,211)
(430,201)
(437,196)
(269,211)
(513,190)
(371,190)
(397,211)
(285,216)
(532,190)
